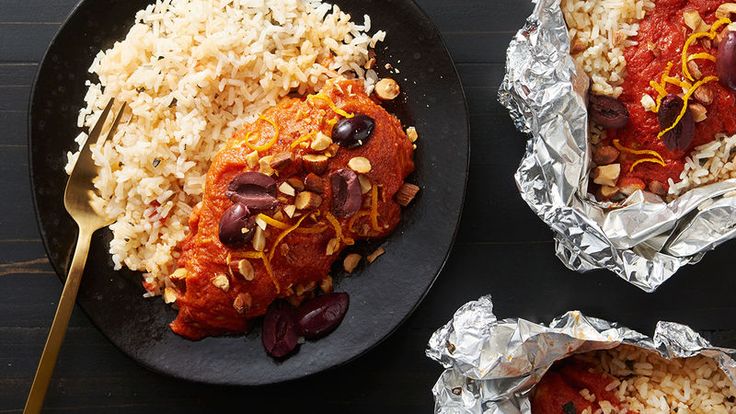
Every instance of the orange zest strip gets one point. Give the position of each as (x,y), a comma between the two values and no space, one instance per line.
(711,34)
(338,229)
(356,216)
(374,208)
(266,264)
(701,56)
(674,81)
(283,235)
(331,104)
(617,144)
(643,160)
(685,100)
(659,87)
(301,139)
(268,144)
(273,222)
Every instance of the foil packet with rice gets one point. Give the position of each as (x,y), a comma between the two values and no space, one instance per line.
(576,364)
(609,218)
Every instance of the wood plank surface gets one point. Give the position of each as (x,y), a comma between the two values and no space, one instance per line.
(502,249)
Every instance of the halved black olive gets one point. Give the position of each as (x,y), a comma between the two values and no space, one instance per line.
(607,112)
(254,190)
(346,195)
(353,132)
(681,136)
(726,60)
(236,226)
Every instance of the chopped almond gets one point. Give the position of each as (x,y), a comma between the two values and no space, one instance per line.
(699,112)
(307,200)
(360,165)
(242,302)
(412,134)
(287,189)
(332,246)
(314,183)
(169,295)
(179,274)
(320,142)
(326,284)
(704,94)
(725,10)
(387,89)
(252,159)
(692,19)
(280,161)
(607,192)
(365,184)
(375,255)
(406,194)
(296,183)
(259,240)
(694,69)
(351,261)
(290,210)
(316,163)
(607,174)
(246,269)
(222,282)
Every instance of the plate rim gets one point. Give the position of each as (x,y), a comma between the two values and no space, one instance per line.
(61,273)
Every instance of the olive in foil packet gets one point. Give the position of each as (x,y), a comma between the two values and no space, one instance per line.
(576,364)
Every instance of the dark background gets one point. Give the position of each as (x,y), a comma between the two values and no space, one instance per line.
(502,249)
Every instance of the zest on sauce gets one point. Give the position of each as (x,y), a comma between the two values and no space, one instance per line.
(300,258)
(662,35)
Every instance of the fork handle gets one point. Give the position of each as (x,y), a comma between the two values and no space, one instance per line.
(45,369)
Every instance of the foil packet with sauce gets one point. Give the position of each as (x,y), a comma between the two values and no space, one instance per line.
(646,240)
(492,365)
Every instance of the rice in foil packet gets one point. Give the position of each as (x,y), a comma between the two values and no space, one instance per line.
(643,208)
(576,364)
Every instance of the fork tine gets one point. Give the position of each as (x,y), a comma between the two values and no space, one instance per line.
(97,129)
(115,123)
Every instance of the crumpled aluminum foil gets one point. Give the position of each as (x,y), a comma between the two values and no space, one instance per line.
(644,242)
(491,365)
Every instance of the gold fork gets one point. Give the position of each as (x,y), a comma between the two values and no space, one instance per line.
(77,197)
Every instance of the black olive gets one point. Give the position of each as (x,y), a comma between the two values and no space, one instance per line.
(232,225)
(681,136)
(726,60)
(353,132)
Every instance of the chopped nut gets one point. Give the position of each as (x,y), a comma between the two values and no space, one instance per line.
(252,159)
(629,185)
(261,223)
(222,282)
(412,134)
(246,269)
(316,163)
(259,240)
(278,215)
(326,284)
(694,69)
(607,174)
(406,194)
(287,189)
(296,183)
(360,165)
(351,261)
(307,200)
(370,63)
(692,19)
(169,295)
(332,150)
(605,154)
(648,102)
(607,192)
(387,89)
(264,165)
(332,246)
(725,10)
(657,188)
(290,210)
(365,184)
(704,95)
(314,183)
(242,302)
(375,255)
(281,161)
(179,274)
(699,112)
(320,142)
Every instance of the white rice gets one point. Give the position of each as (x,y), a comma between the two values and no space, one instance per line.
(599,32)
(649,384)
(193,72)
(708,163)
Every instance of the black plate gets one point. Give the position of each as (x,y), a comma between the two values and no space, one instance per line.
(383,295)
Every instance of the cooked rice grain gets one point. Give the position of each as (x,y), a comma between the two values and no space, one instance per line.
(192,72)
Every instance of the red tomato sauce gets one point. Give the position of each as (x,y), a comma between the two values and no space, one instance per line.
(300,258)
(559,391)
(662,35)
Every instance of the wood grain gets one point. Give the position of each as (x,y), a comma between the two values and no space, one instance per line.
(502,248)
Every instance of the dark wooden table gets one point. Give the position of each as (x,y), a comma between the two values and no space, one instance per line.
(502,249)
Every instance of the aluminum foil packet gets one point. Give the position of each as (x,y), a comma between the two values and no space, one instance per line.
(646,240)
(491,365)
